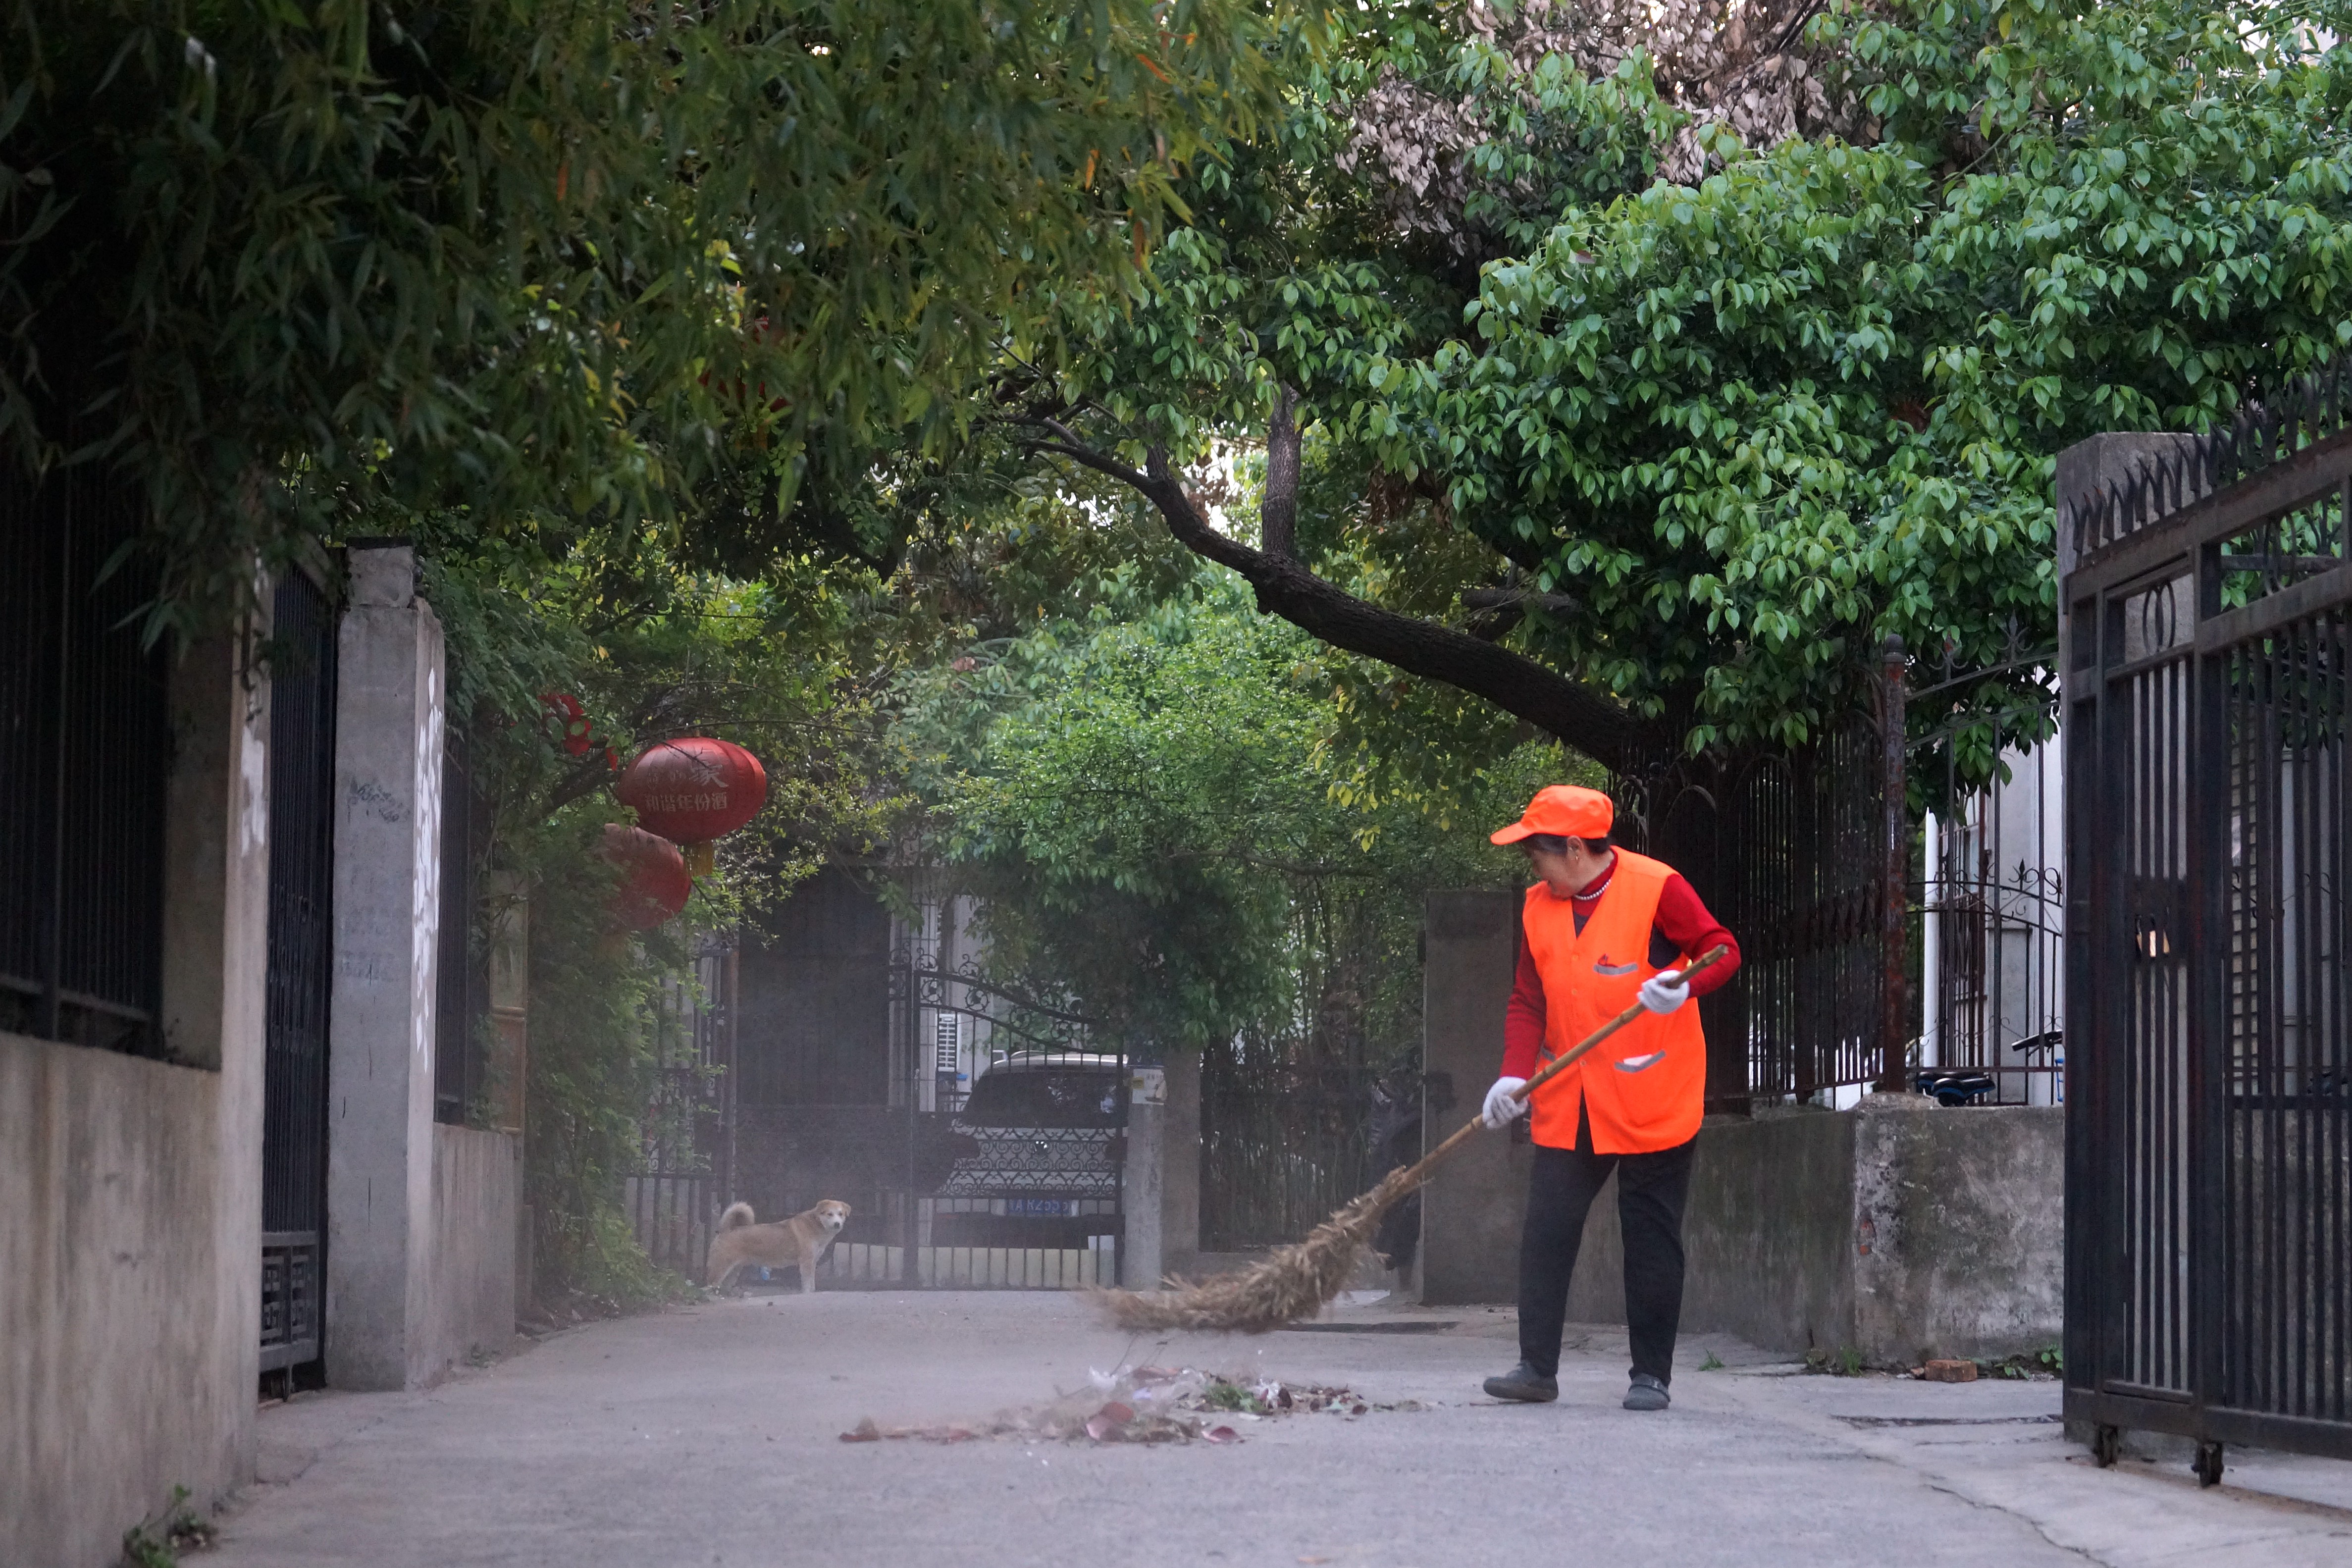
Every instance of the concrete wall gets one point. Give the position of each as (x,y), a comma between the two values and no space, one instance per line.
(130,1233)
(118,1371)
(1768,1236)
(1470,1213)
(471,1267)
(1894,1228)
(1770,1225)
(1964,1213)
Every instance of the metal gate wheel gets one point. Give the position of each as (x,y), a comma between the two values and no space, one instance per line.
(2209,1464)
(2106,1446)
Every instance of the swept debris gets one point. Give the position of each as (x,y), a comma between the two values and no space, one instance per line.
(1144,1405)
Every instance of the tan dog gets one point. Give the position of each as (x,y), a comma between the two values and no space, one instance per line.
(799,1241)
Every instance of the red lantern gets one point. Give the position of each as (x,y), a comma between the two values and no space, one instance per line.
(693,790)
(653,883)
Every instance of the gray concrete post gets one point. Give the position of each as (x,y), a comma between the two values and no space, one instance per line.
(1180,1186)
(1470,1218)
(1142,1259)
(1162,1199)
(387,929)
(2090,466)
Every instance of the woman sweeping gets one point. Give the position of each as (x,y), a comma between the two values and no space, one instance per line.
(1603,927)
(1622,917)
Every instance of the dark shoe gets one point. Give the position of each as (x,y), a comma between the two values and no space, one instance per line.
(1647,1394)
(1524,1384)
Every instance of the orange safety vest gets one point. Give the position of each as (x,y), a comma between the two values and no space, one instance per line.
(1637,1105)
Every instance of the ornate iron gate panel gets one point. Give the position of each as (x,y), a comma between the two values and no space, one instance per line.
(2208,1091)
(1014,1128)
(978,1135)
(1995,915)
(301,953)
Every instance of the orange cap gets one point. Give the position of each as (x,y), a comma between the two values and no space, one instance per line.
(1571,811)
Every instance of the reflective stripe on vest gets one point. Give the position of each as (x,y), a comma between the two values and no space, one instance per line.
(1647,1084)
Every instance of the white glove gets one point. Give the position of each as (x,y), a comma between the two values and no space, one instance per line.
(1501,1109)
(1665,991)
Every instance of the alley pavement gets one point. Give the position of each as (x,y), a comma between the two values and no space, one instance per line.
(712,1434)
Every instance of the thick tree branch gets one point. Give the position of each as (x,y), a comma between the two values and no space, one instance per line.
(1278,512)
(1592,723)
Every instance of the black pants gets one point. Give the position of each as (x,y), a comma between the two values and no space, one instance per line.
(1650,1189)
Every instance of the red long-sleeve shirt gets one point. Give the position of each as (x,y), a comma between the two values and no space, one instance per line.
(1682,925)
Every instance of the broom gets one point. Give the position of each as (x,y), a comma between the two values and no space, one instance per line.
(1296,1280)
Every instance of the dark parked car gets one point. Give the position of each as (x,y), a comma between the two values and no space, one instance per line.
(1031,1159)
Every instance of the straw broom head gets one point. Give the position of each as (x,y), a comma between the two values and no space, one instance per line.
(1292,1283)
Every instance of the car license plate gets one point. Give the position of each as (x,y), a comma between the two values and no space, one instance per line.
(1037,1208)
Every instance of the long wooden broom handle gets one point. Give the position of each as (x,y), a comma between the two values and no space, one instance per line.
(1576,1053)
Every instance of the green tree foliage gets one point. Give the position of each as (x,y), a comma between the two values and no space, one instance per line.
(286,263)
(1142,798)
(787,665)
(1754,425)
(595,999)
(1714,439)
(781,665)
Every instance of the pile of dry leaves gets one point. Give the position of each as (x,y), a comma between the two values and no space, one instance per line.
(1143,1404)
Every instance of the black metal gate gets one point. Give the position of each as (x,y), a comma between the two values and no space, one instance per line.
(977,1135)
(1804,855)
(2209,1088)
(1002,1157)
(688,1166)
(302,954)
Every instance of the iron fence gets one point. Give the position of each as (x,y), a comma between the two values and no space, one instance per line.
(1283,1143)
(85,760)
(461,966)
(2209,1123)
(1798,854)
(1994,941)
(299,972)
